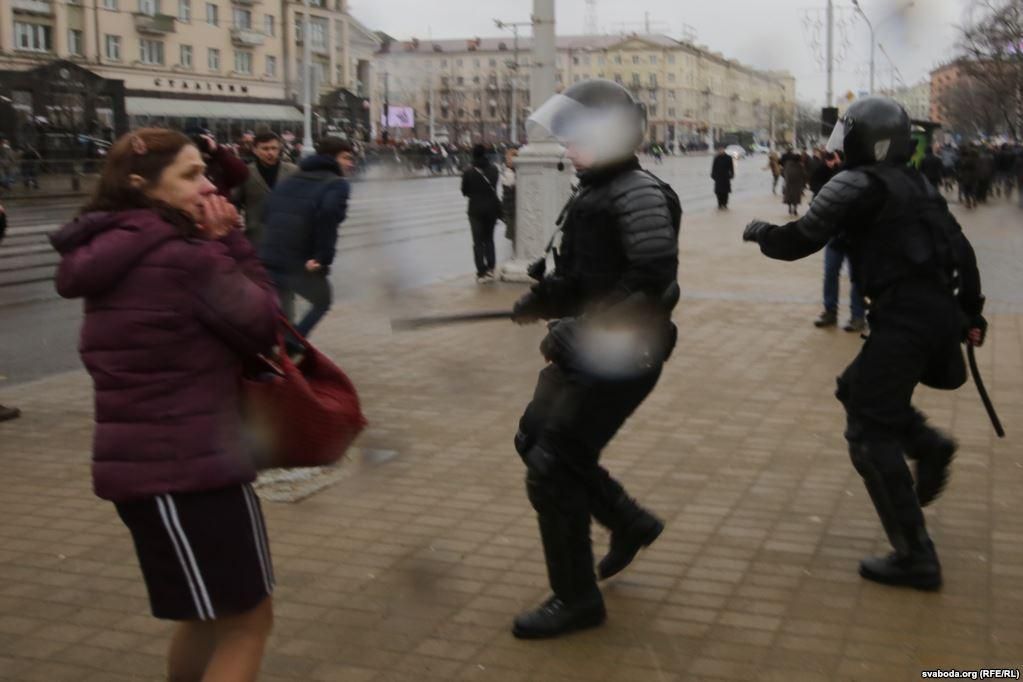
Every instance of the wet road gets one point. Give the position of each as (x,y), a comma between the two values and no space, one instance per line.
(399,234)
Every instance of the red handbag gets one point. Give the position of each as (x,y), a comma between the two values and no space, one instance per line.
(301,415)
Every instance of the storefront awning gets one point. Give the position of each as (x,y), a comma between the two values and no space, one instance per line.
(197,108)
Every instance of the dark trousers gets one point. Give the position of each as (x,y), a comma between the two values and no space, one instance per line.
(314,287)
(722,199)
(914,338)
(483,241)
(561,435)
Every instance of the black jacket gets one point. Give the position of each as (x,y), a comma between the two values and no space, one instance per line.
(932,168)
(479,183)
(302,215)
(722,171)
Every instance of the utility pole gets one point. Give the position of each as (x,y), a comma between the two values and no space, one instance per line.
(829,100)
(307,86)
(513,135)
(387,106)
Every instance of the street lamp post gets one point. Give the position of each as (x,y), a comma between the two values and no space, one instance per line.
(514,26)
(873,42)
(307,88)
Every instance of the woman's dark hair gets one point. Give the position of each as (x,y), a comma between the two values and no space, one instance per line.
(146,152)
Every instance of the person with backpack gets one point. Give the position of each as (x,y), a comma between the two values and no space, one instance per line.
(300,226)
(609,300)
(913,263)
(479,184)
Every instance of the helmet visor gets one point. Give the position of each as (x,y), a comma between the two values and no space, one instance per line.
(604,134)
(836,142)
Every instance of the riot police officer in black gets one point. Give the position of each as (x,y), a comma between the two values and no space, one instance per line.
(610,299)
(919,273)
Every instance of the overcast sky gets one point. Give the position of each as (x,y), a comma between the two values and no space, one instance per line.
(768,34)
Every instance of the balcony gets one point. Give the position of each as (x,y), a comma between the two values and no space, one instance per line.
(245,3)
(40,7)
(154,24)
(246,37)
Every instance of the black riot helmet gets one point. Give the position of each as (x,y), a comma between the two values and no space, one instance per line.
(597,116)
(873,129)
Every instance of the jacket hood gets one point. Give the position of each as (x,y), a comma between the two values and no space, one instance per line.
(98,249)
(321,162)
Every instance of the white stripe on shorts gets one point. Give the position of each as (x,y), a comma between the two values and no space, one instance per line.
(161,506)
(258,536)
(173,510)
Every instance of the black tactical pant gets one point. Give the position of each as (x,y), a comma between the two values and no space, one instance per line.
(560,438)
(482,225)
(915,332)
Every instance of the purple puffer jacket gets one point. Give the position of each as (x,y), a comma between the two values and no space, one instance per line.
(168,323)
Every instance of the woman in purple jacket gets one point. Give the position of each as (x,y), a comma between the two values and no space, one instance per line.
(175,302)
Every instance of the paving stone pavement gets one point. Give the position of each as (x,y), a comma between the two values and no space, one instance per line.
(412,568)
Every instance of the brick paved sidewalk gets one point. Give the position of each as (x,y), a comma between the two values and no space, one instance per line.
(412,569)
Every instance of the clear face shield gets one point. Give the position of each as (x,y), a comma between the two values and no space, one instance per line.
(600,135)
(836,142)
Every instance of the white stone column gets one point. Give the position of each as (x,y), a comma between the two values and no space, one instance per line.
(541,189)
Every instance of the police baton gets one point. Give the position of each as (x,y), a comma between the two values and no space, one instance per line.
(984,397)
(407,324)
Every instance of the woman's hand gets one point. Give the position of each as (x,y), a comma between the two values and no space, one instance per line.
(219,217)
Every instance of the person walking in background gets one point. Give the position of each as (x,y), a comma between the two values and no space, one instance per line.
(479,184)
(795,180)
(932,168)
(774,164)
(264,173)
(968,177)
(985,173)
(176,298)
(300,227)
(1017,170)
(508,193)
(6,413)
(722,171)
(8,161)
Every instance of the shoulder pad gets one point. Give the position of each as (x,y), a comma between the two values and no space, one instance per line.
(837,200)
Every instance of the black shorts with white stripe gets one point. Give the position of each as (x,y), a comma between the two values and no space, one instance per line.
(203,555)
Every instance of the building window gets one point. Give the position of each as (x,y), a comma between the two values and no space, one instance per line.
(653,59)
(671,112)
(185,10)
(493,112)
(186,56)
(476,63)
(149,7)
(113,48)
(110,4)
(271,66)
(213,59)
(268,25)
(671,59)
(671,95)
(618,59)
(493,63)
(318,33)
(32,37)
(671,77)
(243,62)
(618,78)
(460,81)
(212,14)
(653,80)
(635,79)
(635,59)
(150,51)
(653,109)
(242,18)
(74,42)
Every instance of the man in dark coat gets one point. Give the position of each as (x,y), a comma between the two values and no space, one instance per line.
(911,259)
(722,171)
(479,184)
(932,168)
(300,225)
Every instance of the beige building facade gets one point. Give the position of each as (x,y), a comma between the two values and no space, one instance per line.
(229,65)
(689,92)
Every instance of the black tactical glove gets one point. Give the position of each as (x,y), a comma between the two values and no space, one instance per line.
(527,309)
(562,341)
(755,230)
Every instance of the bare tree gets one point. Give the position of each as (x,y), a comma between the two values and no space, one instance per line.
(972,108)
(992,42)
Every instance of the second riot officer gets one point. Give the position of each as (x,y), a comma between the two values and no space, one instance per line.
(912,262)
(611,297)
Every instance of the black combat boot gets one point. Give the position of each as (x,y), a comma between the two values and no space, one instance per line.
(626,543)
(914,566)
(932,451)
(556,617)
